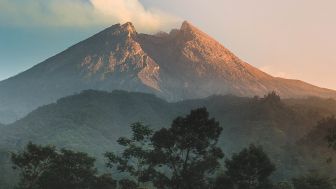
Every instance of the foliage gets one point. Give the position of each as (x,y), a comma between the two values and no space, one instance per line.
(250,169)
(69,170)
(312,181)
(186,153)
(105,181)
(43,167)
(127,184)
(181,156)
(133,159)
(223,181)
(272,98)
(33,163)
(330,124)
(92,121)
(283,185)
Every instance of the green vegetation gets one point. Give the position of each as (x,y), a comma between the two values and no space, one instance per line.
(187,152)
(313,181)
(250,169)
(44,167)
(179,157)
(91,122)
(134,158)
(330,124)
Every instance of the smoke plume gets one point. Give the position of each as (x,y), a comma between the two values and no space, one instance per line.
(83,13)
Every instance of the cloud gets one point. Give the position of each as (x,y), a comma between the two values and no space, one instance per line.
(271,70)
(83,13)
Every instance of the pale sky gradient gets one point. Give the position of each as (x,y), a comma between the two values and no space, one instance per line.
(287,38)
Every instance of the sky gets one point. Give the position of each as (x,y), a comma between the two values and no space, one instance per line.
(288,38)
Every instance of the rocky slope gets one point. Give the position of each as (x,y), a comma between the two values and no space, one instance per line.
(183,64)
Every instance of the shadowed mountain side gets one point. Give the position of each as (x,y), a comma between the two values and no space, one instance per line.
(183,64)
(93,120)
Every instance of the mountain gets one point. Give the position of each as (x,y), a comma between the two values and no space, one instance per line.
(93,120)
(183,64)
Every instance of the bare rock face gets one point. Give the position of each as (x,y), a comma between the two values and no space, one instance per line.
(195,65)
(121,58)
(183,64)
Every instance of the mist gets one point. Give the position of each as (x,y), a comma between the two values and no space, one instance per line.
(84,13)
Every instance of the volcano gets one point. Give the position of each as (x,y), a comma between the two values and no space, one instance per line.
(185,63)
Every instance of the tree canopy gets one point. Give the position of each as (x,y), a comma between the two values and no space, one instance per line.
(312,181)
(250,168)
(45,167)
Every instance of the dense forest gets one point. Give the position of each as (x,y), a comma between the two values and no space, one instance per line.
(233,142)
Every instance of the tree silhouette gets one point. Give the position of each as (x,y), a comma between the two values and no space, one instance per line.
(69,170)
(105,181)
(33,163)
(134,158)
(127,184)
(272,98)
(186,153)
(250,169)
(329,123)
(312,181)
(283,185)
(223,182)
(43,167)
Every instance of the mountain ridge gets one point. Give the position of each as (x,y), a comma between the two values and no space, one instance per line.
(183,64)
(92,121)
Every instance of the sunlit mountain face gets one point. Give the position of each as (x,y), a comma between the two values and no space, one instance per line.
(185,63)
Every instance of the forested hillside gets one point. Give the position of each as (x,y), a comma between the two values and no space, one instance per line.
(92,121)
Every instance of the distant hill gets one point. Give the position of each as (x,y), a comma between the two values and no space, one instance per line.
(183,64)
(92,121)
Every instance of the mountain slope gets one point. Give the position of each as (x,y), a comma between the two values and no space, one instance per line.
(109,60)
(92,121)
(184,64)
(200,66)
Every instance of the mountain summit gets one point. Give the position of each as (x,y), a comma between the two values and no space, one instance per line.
(182,64)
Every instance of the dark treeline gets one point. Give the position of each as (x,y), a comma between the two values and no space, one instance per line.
(184,156)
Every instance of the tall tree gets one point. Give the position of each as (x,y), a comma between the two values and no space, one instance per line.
(329,123)
(186,153)
(134,158)
(312,181)
(105,181)
(283,185)
(69,170)
(32,163)
(250,169)
(223,182)
(44,167)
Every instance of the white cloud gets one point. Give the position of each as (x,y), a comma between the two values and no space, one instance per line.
(79,13)
(273,71)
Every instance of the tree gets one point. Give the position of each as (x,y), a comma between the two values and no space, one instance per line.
(312,181)
(272,98)
(127,184)
(329,123)
(105,181)
(250,169)
(186,153)
(33,162)
(69,170)
(133,159)
(283,185)
(223,182)
(44,167)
